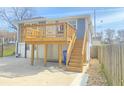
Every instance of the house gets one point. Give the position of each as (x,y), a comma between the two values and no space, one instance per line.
(47,38)
(8,37)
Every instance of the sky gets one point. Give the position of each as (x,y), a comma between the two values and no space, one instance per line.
(112,18)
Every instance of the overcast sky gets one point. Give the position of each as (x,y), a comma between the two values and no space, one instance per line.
(105,17)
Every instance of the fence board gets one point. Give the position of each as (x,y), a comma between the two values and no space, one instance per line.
(112,58)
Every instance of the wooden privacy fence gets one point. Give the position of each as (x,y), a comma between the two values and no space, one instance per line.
(1,50)
(112,59)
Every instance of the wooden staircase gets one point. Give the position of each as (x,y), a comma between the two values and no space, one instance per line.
(75,62)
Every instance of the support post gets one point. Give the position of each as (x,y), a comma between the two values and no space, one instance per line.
(60,54)
(25,50)
(37,54)
(45,54)
(2,48)
(32,55)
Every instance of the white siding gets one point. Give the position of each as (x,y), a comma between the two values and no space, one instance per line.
(21,49)
(40,52)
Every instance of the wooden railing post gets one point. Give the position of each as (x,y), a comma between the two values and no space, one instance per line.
(45,54)
(65,31)
(60,54)
(32,55)
(84,48)
(37,54)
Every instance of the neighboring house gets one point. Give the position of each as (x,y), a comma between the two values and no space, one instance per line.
(80,24)
(9,37)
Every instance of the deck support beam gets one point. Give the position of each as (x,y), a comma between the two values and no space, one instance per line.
(32,54)
(45,54)
(37,54)
(60,54)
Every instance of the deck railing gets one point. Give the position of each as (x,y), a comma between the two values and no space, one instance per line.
(48,32)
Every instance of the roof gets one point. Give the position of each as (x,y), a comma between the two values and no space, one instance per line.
(51,19)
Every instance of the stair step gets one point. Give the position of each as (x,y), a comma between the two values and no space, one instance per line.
(78,43)
(75,54)
(76,57)
(74,69)
(75,60)
(75,64)
(77,46)
(77,50)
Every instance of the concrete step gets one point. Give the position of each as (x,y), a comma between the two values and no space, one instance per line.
(74,69)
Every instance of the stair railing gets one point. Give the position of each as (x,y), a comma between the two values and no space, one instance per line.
(70,32)
(84,48)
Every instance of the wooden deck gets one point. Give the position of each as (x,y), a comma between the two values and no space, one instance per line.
(57,33)
(48,33)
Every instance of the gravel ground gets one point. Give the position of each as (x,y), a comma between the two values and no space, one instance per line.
(96,76)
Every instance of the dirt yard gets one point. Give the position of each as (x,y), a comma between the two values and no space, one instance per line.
(96,76)
(18,71)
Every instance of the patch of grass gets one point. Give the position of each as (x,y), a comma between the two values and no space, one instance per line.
(9,51)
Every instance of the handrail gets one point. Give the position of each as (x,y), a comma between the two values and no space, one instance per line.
(70,47)
(70,31)
(84,47)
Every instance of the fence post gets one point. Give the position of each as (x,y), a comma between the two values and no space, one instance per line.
(2,46)
(121,65)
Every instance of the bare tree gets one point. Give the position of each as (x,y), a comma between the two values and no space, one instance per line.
(109,35)
(11,14)
(121,34)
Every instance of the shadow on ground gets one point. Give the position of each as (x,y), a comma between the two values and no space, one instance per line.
(11,67)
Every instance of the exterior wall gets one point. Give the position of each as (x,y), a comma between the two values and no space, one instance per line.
(80,28)
(52,53)
(88,28)
(40,51)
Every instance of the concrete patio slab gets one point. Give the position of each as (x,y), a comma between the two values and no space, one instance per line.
(18,71)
